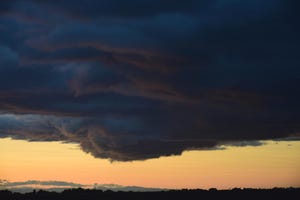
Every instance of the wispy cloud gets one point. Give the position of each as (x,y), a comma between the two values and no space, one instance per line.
(58,186)
(39,183)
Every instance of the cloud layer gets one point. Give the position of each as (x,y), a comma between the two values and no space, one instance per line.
(59,186)
(132,80)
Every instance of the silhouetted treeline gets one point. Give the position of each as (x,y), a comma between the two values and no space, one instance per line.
(88,194)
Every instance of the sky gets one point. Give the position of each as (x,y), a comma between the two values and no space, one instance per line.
(276,164)
(195,93)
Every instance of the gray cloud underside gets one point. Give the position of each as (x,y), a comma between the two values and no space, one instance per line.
(132,80)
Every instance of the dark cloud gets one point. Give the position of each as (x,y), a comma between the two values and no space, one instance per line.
(132,80)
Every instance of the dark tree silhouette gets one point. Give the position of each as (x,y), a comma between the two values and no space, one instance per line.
(88,194)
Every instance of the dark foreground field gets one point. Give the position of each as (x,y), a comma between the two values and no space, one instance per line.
(82,194)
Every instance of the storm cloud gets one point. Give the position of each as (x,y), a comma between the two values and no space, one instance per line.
(133,80)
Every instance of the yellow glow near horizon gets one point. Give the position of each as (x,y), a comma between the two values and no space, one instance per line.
(276,164)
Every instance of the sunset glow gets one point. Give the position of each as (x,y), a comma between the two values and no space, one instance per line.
(272,165)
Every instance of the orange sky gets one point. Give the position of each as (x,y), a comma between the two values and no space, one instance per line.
(271,165)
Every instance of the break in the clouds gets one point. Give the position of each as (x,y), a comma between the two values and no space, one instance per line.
(132,80)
